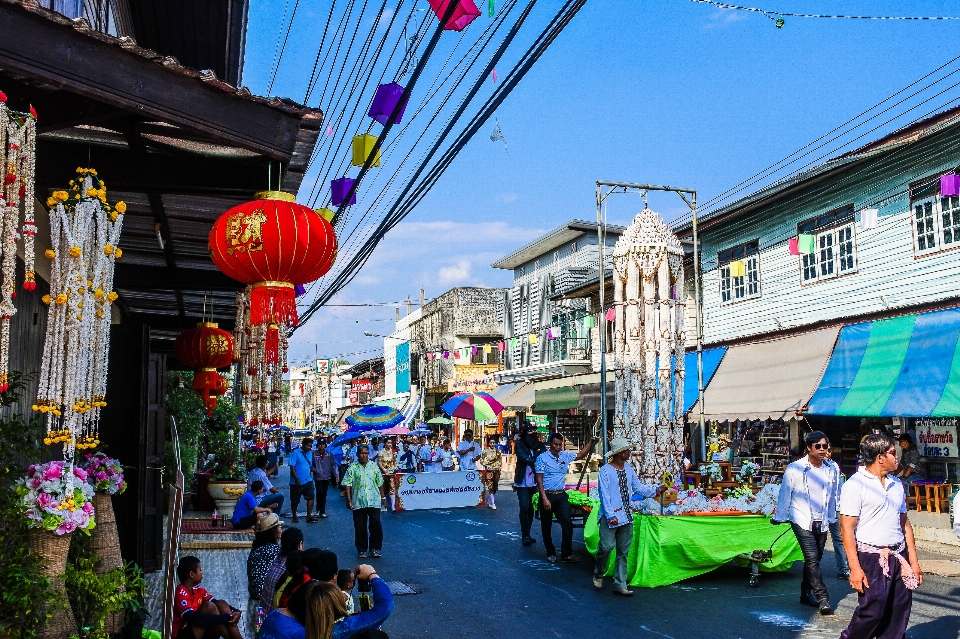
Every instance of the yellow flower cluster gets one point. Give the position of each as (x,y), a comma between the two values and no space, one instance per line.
(47,406)
(61,299)
(117,253)
(120,207)
(86,171)
(68,503)
(81,406)
(50,254)
(57,437)
(75,251)
(84,443)
(108,249)
(98,293)
(112,297)
(57,197)
(45,299)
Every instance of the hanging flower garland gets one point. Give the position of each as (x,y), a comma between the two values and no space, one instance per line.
(18,145)
(84,232)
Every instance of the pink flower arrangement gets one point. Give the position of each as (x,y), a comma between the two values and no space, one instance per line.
(104,473)
(55,498)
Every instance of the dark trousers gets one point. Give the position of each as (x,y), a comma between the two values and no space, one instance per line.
(360,518)
(812,544)
(525,496)
(883,609)
(322,486)
(245,522)
(560,505)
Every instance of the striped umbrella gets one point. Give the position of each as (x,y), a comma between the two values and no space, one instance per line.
(373,418)
(475,406)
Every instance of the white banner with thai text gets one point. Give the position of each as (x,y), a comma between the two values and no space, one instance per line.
(456,489)
(937,437)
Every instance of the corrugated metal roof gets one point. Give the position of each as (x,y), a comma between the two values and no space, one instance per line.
(549,241)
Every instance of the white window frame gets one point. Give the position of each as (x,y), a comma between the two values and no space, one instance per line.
(738,289)
(826,262)
(938,206)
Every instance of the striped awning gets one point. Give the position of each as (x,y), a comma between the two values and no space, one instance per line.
(904,366)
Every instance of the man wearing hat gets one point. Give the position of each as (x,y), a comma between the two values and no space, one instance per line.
(617,483)
(527,448)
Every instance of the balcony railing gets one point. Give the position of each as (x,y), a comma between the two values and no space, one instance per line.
(567,348)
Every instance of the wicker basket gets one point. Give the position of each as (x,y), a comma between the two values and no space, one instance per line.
(53,549)
(105,544)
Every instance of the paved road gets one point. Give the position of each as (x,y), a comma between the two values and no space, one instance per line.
(477,581)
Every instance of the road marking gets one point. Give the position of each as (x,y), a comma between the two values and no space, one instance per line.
(493,560)
(511,535)
(470,522)
(536,564)
(763,596)
(477,537)
(572,598)
(655,632)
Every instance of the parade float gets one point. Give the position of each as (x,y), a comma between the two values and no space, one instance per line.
(689,530)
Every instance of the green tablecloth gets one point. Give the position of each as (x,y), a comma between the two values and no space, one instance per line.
(668,549)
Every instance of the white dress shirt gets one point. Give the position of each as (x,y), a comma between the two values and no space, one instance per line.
(809,494)
(467,451)
(611,501)
(877,506)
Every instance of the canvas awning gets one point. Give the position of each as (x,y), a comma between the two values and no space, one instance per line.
(772,379)
(560,398)
(590,396)
(520,399)
(502,392)
(904,366)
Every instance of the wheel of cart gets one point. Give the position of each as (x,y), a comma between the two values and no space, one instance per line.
(758,557)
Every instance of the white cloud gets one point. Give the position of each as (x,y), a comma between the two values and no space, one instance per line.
(722,17)
(454,274)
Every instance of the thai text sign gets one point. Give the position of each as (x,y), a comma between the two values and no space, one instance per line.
(403,367)
(420,491)
(937,437)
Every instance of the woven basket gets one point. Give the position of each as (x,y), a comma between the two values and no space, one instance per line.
(53,549)
(105,544)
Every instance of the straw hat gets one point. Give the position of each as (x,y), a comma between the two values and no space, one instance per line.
(618,446)
(268,521)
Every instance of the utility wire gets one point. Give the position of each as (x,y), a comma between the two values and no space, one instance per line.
(276,66)
(769,12)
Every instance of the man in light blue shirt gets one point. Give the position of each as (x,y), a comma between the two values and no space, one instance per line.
(551,471)
(617,483)
(273,501)
(301,479)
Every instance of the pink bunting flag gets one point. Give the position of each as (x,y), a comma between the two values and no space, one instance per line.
(430,356)
(493,76)
(446,354)
(456,354)
(473,350)
(611,314)
(501,346)
(329,130)
(794,246)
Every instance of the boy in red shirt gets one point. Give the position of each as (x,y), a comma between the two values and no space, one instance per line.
(196,614)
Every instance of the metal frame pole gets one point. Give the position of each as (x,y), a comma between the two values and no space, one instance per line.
(602,324)
(698,310)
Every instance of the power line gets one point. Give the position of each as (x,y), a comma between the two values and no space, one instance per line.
(771,12)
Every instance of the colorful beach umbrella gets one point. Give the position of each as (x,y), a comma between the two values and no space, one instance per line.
(396,430)
(475,406)
(373,418)
(440,420)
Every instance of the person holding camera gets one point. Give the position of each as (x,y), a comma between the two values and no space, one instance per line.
(808,500)
(551,471)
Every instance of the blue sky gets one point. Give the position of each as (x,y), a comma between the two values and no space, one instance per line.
(670,92)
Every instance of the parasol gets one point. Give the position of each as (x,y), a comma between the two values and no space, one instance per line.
(440,420)
(346,437)
(475,406)
(373,418)
(396,430)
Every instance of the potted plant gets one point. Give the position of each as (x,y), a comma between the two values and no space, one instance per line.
(94,595)
(228,477)
(712,472)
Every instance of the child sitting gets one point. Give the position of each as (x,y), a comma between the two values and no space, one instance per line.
(196,614)
(345,580)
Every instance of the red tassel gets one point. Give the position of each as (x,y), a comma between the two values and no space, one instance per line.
(271,347)
(273,305)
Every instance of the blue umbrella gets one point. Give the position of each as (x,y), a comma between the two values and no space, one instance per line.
(373,418)
(345,437)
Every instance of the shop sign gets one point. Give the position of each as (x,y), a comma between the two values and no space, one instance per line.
(354,398)
(361,386)
(471,378)
(542,422)
(323,366)
(937,437)
(403,367)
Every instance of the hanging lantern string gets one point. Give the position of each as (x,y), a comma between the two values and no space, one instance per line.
(768,13)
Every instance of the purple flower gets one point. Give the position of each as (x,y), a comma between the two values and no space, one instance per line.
(44,500)
(35,483)
(80,473)
(54,471)
(32,469)
(100,476)
(66,527)
(88,508)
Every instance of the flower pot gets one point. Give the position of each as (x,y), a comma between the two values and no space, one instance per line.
(53,549)
(105,544)
(225,495)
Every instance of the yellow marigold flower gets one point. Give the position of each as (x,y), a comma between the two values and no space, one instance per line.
(61,195)
(113,217)
(47,441)
(93,171)
(89,283)
(117,253)
(98,293)
(99,314)
(45,299)
(80,290)
(121,207)
(107,249)
(92,192)
(51,202)
(102,196)
(112,296)
(61,299)
(80,170)
(103,186)
(79,316)
(50,254)
(79,304)
(75,251)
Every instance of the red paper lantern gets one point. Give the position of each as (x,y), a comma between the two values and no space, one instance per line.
(273,244)
(206,348)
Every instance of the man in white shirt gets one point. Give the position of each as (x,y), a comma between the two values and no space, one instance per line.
(878,539)
(469,451)
(617,483)
(808,500)
(551,470)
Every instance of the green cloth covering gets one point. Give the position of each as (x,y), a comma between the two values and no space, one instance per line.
(556,398)
(668,549)
(576,499)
